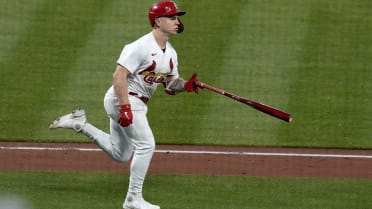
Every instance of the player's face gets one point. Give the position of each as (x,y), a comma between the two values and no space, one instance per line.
(169,24)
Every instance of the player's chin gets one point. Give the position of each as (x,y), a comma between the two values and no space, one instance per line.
(174,32)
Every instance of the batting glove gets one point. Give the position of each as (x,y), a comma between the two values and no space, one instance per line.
(190,85)
(126,116)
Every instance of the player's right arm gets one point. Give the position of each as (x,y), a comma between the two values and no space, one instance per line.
(120,83)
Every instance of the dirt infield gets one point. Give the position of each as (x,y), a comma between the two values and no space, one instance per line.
(240,161)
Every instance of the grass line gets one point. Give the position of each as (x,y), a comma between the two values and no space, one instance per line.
(72,190)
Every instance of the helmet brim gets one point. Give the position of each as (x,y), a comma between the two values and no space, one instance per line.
(178,13)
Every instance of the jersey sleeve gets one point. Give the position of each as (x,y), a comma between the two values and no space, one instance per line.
(131,57)
(174,71)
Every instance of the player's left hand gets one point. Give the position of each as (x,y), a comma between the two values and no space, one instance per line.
(126,116)
(190,84)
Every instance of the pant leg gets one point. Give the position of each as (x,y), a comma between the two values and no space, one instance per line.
(116,144)
(123,140)
(143,140)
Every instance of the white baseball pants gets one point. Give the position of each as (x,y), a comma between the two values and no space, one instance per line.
(122,141)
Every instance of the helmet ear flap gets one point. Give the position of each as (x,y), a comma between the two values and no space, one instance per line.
(180,26)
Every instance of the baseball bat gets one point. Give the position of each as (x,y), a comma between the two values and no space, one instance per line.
(258,106)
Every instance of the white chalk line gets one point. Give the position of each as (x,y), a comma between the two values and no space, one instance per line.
(274,154)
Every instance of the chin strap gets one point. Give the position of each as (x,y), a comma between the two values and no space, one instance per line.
(181,27)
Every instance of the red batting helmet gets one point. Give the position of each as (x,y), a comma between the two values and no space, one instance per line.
(163,9)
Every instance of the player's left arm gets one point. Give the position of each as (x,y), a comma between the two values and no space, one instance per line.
(174,85)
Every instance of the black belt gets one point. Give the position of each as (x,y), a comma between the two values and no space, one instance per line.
(144,99)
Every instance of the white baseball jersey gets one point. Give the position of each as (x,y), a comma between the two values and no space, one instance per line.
(148,63)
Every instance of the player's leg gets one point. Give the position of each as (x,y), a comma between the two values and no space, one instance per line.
(114,144)
(143,140)
(119,146)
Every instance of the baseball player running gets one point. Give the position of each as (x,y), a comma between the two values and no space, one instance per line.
(142,66)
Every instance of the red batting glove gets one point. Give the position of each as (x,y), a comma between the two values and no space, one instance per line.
(126,116)
(190,85)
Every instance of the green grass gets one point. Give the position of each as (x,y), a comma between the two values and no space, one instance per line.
(310,58)
(102,190)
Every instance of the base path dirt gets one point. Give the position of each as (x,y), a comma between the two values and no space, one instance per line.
(205,160)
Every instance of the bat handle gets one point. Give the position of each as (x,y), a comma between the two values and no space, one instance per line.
(199,84)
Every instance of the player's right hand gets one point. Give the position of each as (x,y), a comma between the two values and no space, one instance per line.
(126,116)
